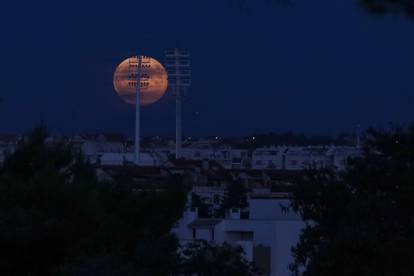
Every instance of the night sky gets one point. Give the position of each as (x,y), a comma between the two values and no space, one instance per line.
(318,67)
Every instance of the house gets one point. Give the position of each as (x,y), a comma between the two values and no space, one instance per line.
(118,159)
(266,235)
(299,158)
(268,158)
(229,158)
(92,146)
(295,158)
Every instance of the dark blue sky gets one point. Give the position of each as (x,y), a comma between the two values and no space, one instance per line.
(319,66)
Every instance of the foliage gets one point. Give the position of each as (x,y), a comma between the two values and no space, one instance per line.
(235,196)
(204,209)
(55,216)
(390,6)
(379,7)
(360,222)
(204,259)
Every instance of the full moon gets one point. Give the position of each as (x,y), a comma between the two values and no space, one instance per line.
(154,80)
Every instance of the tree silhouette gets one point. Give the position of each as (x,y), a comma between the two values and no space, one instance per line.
(361,222)
(202,258)
(235,196)
(56,218)
(378,7)
(390,6)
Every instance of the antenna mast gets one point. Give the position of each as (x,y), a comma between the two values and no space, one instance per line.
(178,67)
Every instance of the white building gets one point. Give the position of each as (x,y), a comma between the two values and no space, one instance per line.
(268,158)
(119,159)
(299,158)
(266,236)
(92,146)
(220,155)
(229,158)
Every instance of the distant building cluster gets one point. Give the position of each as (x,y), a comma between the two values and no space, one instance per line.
(117,150)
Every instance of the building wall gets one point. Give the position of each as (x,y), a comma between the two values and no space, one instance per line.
(287,233)
(277,235)
(299,158)
(270,209)
(268,158)
(269,233)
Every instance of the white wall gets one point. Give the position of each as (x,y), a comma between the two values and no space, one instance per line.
(287,234)
(268,226)
(270,209)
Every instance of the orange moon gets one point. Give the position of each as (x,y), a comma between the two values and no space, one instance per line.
(154,80)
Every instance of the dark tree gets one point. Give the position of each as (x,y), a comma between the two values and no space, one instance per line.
(235,196)
(204,209)
(390,6)
(379,7)
(361,222)
(204,259)
(56,218)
